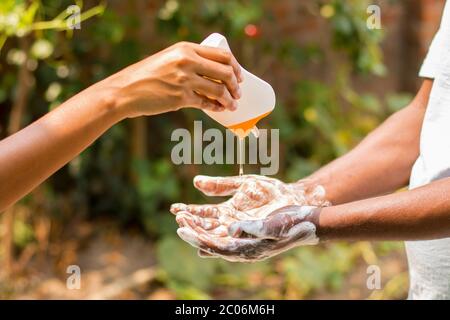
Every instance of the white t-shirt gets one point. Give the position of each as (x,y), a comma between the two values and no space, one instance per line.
(429,261)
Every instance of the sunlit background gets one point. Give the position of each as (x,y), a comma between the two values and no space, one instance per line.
(107,211)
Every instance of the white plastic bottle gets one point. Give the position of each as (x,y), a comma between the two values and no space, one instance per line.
(257,98)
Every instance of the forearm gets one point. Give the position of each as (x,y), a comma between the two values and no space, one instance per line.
(419,214)
(31,155)
(382,162)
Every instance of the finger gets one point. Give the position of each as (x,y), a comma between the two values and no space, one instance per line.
(243,250)
(202,102)
(219,232)
(195,222)
(185,219)
(211,226)
(222,56)
(253,228)
(202,210)
(219,73)
(226,246)
(217,186)
(204,254)
(192,237)
(177,207)
(214,91)
(206,223)
(276,226)
(201,226)
(181,220)
(189,235)
(304,234)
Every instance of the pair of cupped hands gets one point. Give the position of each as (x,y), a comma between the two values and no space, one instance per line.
(263,217)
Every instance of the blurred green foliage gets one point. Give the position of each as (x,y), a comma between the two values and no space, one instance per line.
(319,121)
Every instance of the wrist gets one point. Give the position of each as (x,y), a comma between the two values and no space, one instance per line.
(115,96)
(335,189)
(320,217)
(312,192)
(107,98)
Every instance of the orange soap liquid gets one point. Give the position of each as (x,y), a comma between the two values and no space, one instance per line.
(242,130)
(241,156)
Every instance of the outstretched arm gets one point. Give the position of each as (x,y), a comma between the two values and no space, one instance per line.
(419,214)
(278,219)
(382,162)
(167,81)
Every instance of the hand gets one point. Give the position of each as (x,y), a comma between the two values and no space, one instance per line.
(280,231)
(211,227)
(177,77)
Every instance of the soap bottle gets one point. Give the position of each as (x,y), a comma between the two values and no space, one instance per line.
(257,98)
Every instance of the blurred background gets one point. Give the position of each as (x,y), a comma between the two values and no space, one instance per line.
(107,210)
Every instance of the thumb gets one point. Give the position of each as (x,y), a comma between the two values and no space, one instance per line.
(254,228)
(277,225)
(204,254)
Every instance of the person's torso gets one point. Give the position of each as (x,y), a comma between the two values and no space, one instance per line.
(429,261)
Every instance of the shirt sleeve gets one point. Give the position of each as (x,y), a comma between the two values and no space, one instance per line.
(430,65)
